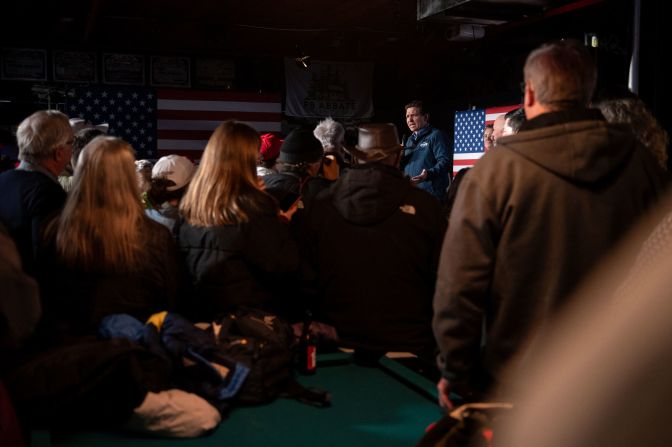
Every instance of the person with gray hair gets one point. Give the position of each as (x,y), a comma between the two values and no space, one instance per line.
(532,219)
(31,193)
(331,135)
(627,108)
(560,76)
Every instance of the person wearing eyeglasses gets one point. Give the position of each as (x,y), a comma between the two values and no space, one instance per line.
(30,194)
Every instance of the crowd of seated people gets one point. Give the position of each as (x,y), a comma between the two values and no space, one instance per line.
(357,244)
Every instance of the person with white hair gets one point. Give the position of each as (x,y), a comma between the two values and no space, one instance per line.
(30,194)
(331,135)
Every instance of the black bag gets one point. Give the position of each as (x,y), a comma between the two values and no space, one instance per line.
(266,344)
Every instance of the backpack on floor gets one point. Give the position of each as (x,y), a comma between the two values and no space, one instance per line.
(266,344)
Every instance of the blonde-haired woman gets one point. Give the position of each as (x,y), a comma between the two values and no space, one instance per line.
(236,242)
(103,255)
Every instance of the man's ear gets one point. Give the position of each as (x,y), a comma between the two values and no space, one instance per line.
(530,97)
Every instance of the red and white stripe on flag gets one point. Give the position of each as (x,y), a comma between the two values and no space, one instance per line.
(491,113)
(186,118)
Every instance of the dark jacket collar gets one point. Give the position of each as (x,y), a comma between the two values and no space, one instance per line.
(422,132)
(562,117)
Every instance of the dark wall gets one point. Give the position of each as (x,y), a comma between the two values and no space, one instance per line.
(488,72)
(481,73)
(655,70)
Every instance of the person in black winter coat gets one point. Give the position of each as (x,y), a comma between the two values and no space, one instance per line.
(373,243)
(102,255)
(233,237)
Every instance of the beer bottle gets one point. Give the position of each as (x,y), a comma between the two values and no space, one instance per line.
(307,348)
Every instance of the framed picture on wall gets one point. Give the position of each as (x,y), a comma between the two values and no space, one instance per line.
(74,66)
(123,69)
(170,71)
(24,64)
(214,72)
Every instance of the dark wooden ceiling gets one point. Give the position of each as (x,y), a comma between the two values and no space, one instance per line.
(340,29)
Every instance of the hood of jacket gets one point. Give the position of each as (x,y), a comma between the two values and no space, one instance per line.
(581,151)
(370,193)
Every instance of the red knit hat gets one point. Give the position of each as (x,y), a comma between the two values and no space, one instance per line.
(270,147)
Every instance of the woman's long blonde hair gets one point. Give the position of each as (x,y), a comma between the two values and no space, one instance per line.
(100,227)
(224,189)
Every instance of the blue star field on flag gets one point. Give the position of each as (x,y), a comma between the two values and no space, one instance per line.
(129,111)
(469,131)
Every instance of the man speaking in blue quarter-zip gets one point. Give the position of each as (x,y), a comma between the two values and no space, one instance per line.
(425,159)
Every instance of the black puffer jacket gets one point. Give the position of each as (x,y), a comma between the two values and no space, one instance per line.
(252,264)
(75,301)
(373,242)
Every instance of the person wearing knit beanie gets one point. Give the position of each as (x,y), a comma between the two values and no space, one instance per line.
(298,166)
(299,147)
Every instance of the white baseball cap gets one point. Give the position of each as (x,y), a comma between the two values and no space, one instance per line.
(175,168)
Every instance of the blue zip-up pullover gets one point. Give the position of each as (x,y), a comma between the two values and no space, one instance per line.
(427,149)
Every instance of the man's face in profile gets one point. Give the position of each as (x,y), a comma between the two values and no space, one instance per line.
(498,128)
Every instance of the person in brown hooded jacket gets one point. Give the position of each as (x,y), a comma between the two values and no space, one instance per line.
(532,218)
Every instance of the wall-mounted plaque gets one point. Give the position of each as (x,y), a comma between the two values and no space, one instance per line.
(124,69)
(214,72)
(170,71)
(74,66)
(24,64)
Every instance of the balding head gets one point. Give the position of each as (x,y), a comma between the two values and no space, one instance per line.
(561,75)
(498,128)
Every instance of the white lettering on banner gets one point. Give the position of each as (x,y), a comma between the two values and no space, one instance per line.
(336,89)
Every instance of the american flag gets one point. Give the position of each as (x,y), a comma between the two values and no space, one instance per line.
(186,118)
(130,112)
(171,121)
(469,126)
